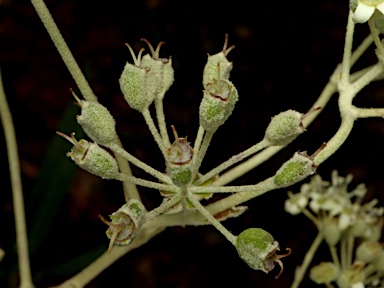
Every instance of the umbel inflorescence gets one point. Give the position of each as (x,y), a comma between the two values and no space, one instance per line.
(351,228)
(183,186)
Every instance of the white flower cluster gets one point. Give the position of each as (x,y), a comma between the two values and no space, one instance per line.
(343,219)
(332,203)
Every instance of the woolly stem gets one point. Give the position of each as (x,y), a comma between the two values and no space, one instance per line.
(17,191)
(62,47)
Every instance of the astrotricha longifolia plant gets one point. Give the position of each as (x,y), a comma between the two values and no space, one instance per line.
(144,82)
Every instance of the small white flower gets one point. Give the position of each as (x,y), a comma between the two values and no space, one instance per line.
(364,9)
(348,216)
(358,285)
(296,203)
(327,201)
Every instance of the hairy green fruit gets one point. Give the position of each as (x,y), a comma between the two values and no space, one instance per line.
(133,84)
(92,158)
(284,128)
(258,249)
(217,104)
(97,122)
(299,167)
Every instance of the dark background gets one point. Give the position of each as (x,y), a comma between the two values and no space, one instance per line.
(285,53)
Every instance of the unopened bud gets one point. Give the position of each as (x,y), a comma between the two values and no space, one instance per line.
(299,167)
(324,273)
(134,83)
(369,251)
(285,127)
(96,121)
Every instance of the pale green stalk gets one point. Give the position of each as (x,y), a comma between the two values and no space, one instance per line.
(266,184)
(247,166)
(361,49)
(302,269)
(367,78)
(155,133)
(162,177)
(164,207)
(161,121)
(17,191)
(347,112)
(130,189)
(196,149)
(233,160)
(231,238)
(375,34)
(183,218)
(150,184)
(350,247)
(62,47)
(335,257)
(198,140)
(369,112)
(346,64)
(310,216)
(343,253)
(239,198)
(105,260)
(201,153)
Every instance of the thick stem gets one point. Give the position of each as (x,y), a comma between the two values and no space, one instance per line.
(62,47)
(17,191)
(45,16)
(104,261)
(346,64)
